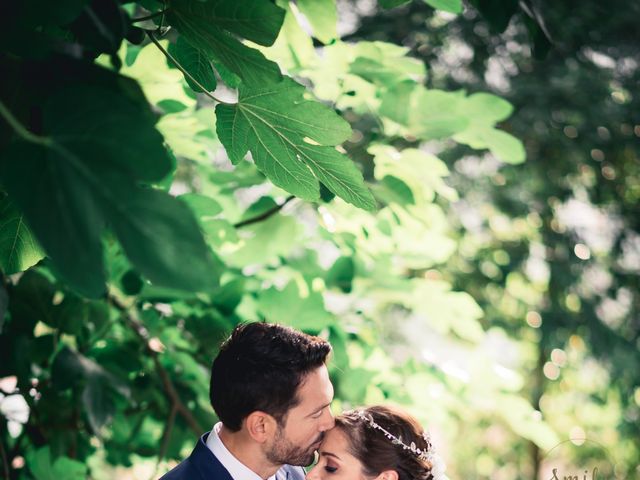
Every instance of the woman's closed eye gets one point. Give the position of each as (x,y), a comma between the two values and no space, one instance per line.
(330,469)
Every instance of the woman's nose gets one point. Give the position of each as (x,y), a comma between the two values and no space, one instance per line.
(312,474)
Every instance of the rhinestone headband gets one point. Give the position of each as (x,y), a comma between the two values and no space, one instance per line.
(425,454)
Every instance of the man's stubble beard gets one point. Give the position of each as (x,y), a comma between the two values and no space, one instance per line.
(282,451)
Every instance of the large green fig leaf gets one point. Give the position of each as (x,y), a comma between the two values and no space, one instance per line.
(292,142)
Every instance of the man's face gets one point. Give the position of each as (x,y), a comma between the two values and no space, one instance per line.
(305,424)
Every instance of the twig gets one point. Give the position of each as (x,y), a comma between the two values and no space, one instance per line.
(183,70)
(166,434)
(170,390)
(5,460)
(264,215)
(148,17)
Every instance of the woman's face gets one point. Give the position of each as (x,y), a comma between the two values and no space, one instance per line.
(334,460)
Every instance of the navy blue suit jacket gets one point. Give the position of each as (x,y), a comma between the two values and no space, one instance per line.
(202,464)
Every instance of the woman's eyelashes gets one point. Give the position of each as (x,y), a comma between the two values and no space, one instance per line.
(330,469)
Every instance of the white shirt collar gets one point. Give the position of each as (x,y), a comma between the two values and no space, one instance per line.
(237,469)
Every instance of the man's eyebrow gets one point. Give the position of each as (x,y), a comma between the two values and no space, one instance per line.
(320,408)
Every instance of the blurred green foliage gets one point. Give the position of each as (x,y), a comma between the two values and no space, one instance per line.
(384,208)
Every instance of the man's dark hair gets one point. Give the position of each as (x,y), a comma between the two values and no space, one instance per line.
(260,367)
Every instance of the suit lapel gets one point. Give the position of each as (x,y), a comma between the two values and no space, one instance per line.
(206,463)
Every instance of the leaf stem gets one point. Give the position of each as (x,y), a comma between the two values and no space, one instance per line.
(264,215)
(183,70)
(21,130)
(148,17)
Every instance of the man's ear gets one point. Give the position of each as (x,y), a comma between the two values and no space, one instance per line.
(388,475)
(261,426)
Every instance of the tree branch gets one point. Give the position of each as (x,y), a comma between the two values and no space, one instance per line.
(166,435)
(264,215)
(5,460)
(170,390)
(183,70)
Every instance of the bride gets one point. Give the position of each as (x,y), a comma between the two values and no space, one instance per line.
(377,443)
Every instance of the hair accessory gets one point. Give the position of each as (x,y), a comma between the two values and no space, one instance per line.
(437,465)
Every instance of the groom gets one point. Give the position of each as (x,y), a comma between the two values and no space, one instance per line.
(271,391)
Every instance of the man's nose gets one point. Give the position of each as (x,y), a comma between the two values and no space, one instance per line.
(328,421)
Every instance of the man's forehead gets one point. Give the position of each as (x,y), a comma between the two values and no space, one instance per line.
(316,387)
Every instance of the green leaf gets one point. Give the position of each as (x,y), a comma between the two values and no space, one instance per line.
(185,134)
(100,387)
(99,128)
(292,142)
(159,82)
(218,232)
(304,311)
(391,189)
(422,172)
(323,17)
(519,415)
(341,274)
(265,241)
(259,207)
(49,187)
(229,295)
(487,108)
(428,113)
(207,26)
(101,27)
(293,49)
(392,3)
(97,401)
(58,13)
(396,102)
(386,64)
(354,383)
(445,310)
(202,206)
(196,63)
(436,114)
(19,249)
(503,145)
(452,6)
(258,20)
(88,176)
(31,301)
(163,241)
(43,467)
(374,71)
